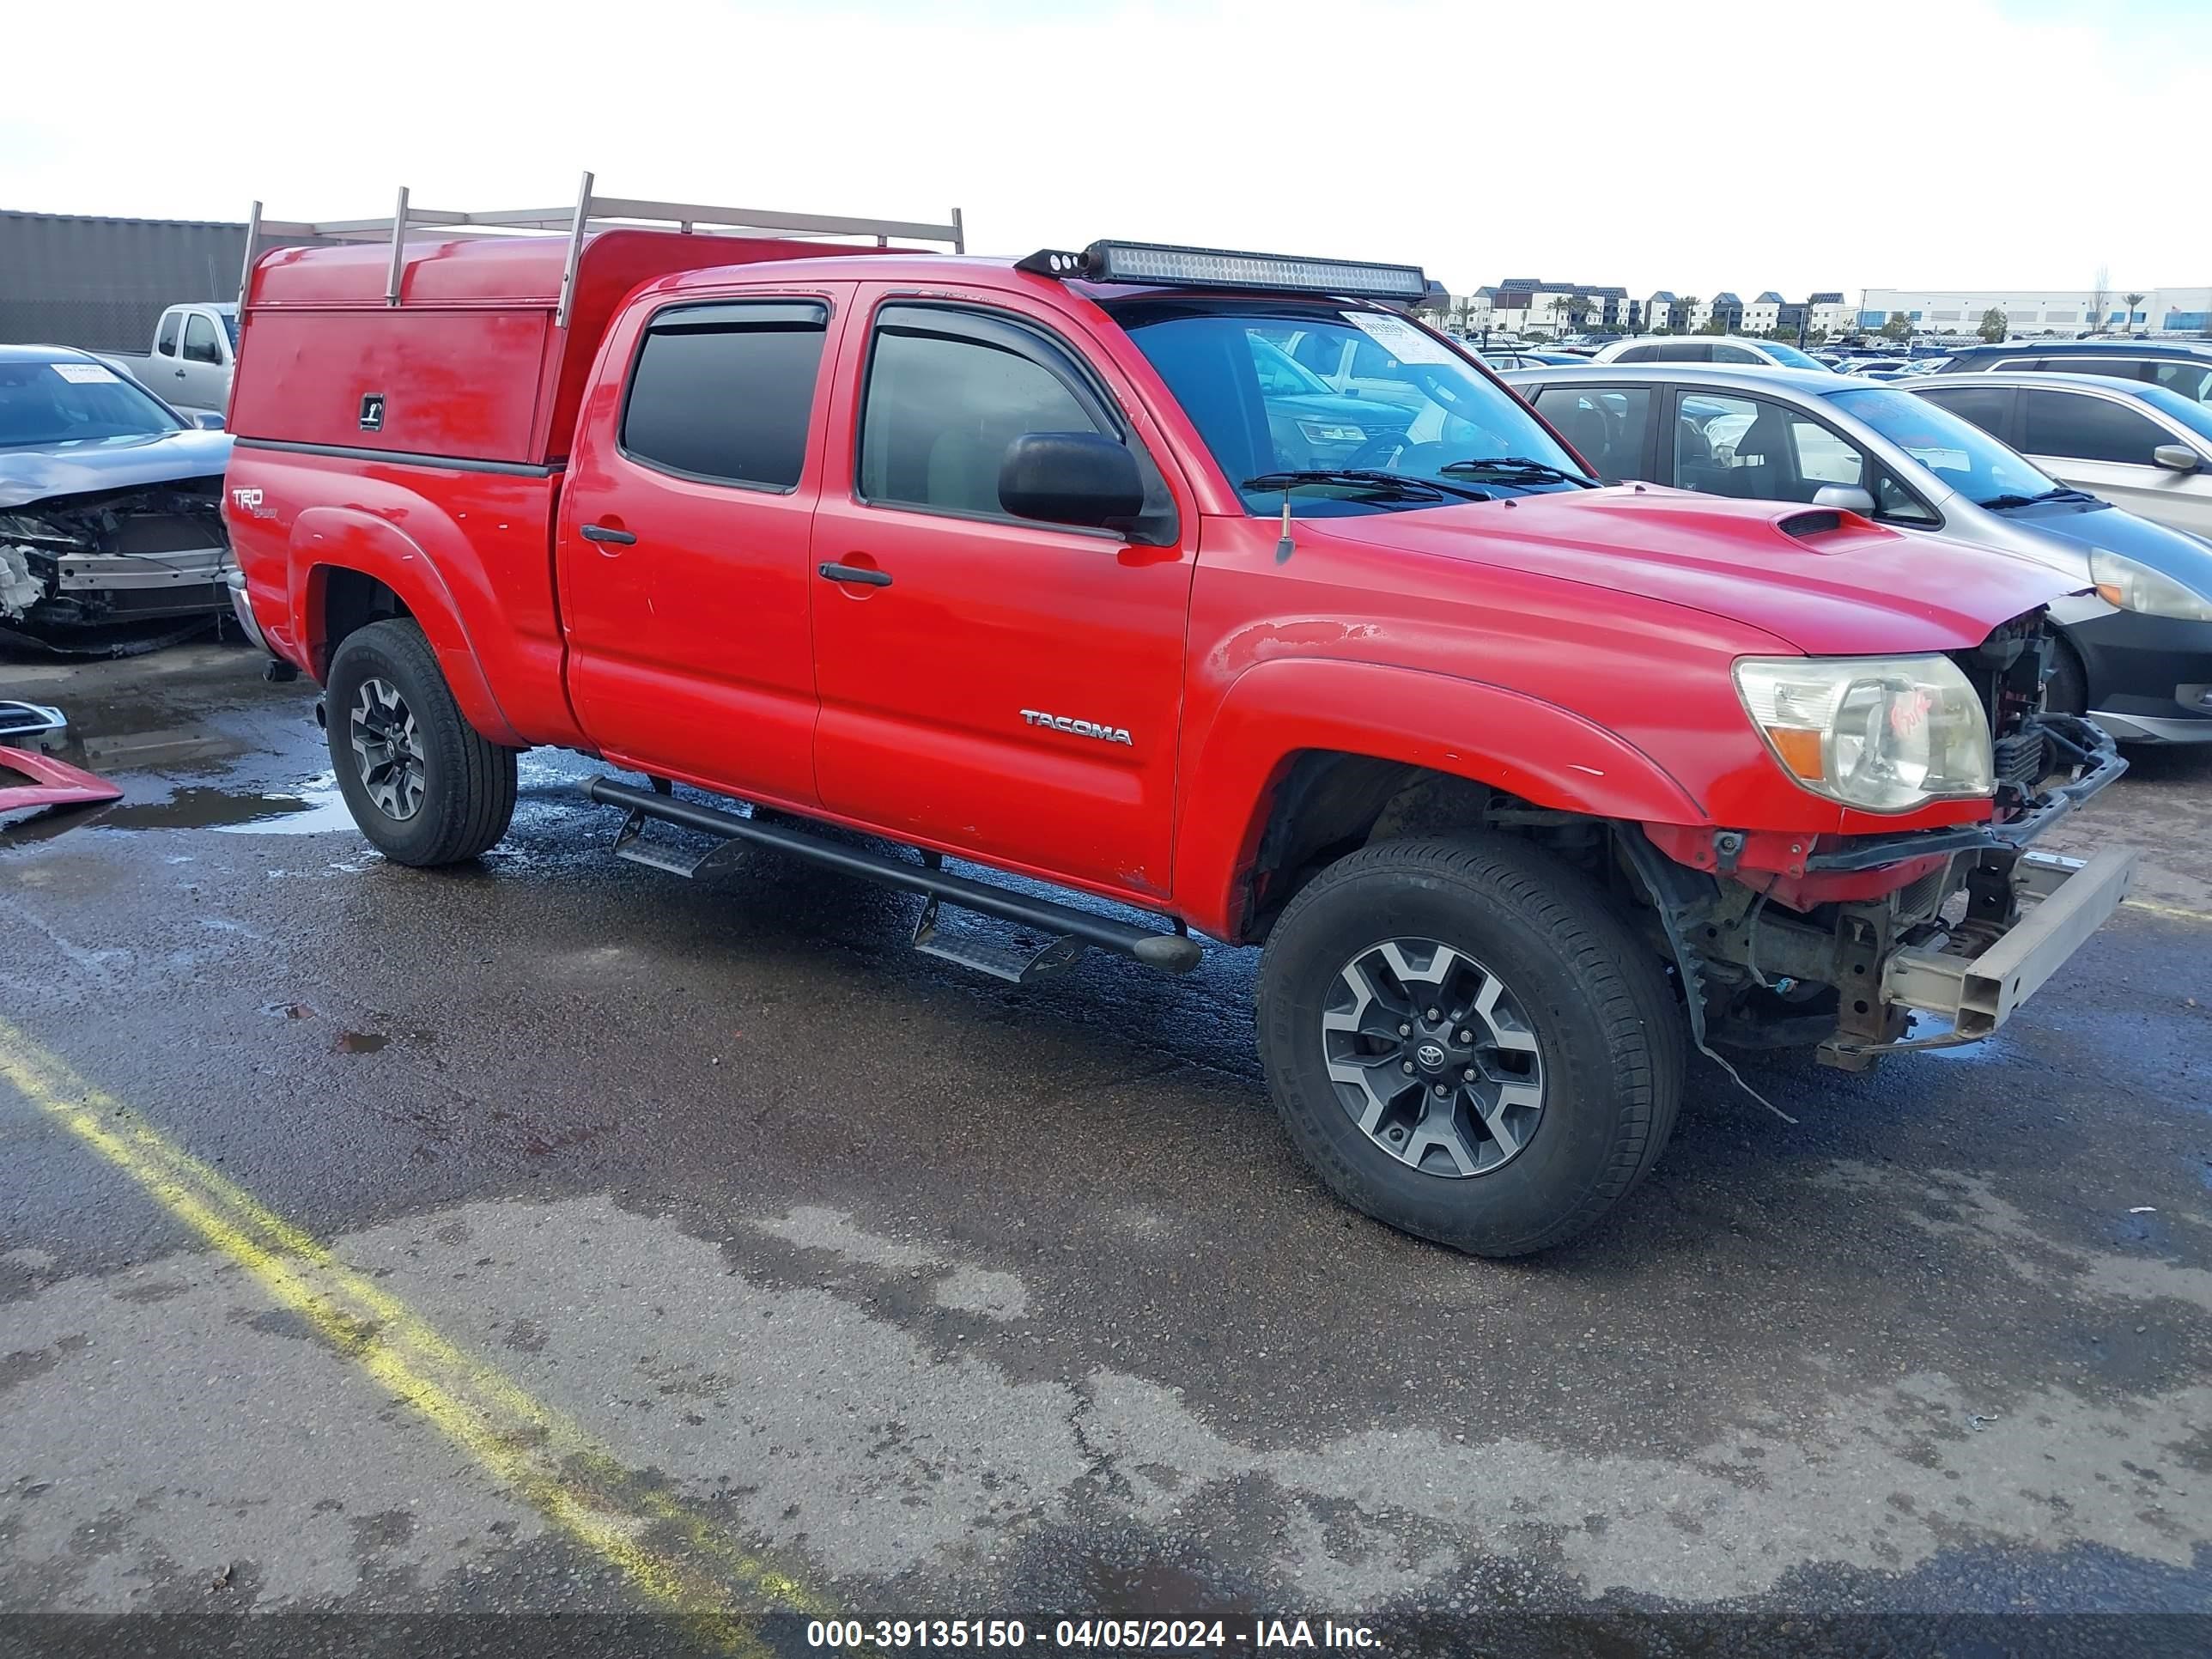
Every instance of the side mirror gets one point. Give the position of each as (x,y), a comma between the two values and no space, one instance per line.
(2176,457)
(206,419)
(1082,478)
(1849,497)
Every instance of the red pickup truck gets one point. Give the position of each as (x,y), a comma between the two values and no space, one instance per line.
(1066,567)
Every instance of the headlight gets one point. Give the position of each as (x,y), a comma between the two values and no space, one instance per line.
(1885,734)
(2135,586)
(1325,432)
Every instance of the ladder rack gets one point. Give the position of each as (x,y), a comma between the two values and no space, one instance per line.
(588,212)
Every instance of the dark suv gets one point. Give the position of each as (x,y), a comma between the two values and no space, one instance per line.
(2185,366)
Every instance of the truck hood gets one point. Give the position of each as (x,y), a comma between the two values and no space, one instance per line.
(1829,586)
(31,475)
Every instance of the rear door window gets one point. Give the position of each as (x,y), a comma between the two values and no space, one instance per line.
(1988,407)
(2083,426)
(723,392)
(1685,351)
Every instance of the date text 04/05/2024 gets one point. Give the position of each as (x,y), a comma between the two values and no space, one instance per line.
(1113,1635)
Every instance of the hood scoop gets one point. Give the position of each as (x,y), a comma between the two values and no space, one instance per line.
(1820,521)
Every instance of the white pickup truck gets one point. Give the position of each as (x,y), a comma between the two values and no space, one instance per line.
(194,351)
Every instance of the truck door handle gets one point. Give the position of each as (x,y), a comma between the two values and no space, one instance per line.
(599,533)
(854,572)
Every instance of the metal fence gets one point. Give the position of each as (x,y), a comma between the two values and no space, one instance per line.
(102,284)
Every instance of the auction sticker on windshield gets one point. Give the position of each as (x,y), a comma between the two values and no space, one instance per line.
(84,373)
(1400,339)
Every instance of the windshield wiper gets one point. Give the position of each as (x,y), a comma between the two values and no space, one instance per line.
(1521,467)
(1396,484)
(1999,503)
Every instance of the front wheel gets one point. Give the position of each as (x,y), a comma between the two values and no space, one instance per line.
(1467,1044)
(425,786)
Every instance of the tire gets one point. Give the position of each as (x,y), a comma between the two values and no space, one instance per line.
(2067,691)
(453,795)
(1575,989)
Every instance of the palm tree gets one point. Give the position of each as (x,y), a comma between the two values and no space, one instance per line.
(2134,299)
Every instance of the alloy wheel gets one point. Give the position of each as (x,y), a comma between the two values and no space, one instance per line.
(387,750)
(1433,1057)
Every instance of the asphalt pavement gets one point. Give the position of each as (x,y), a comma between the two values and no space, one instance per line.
(693,1263)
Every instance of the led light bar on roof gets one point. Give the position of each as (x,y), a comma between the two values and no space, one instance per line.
(1209,267)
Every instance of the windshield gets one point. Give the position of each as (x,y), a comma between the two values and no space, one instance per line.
(1956,451)
(1284,386)
(1788,356)
(2187,411)
(47,403)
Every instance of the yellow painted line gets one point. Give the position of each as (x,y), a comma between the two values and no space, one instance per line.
(675,1558)
(2178,912)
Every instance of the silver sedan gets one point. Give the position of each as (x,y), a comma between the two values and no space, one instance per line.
(2138,631)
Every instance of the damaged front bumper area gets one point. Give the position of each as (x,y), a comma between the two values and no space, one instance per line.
(1978,958)
(116,571)
(2059,902)
(1960,925)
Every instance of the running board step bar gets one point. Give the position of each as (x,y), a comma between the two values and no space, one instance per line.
(1176,953)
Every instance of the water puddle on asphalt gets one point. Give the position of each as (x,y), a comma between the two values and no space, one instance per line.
(316,808)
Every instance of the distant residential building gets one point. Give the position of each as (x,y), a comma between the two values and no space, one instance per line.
(1664,310)
(1529,304)
(1830,313)
(2045,311)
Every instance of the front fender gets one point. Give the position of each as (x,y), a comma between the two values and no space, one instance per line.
(1275,710)
(324,538)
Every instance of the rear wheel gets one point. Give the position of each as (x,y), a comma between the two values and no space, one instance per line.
(423,784)
(1467,1044)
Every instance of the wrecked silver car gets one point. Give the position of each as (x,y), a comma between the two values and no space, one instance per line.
(111,539)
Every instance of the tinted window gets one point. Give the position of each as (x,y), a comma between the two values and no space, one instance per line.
(1607,426)
(199,340)
(1684,351)
(1987,406)
(723,392)
(1736,353)
(2192,380)
(2085,428)
(940,411)
(165,341)
(1639,354)
(2118,369)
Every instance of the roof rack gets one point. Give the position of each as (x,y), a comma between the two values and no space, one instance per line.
(588,212)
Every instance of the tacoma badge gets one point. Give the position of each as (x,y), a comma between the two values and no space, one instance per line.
(1080,728)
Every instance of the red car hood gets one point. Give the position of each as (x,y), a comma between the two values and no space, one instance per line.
(1830,585)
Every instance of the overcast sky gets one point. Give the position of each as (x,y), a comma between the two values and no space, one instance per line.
(1881,143)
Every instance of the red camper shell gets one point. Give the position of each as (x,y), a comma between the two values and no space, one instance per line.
(471,361)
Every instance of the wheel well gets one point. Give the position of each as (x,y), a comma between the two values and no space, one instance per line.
(351,599)
(1327,804)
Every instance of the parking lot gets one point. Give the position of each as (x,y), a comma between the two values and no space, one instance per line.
(558,1236)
